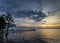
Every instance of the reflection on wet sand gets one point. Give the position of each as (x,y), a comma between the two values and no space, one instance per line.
(50,34)
(40,35)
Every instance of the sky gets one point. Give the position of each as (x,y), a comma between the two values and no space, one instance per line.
(32,12)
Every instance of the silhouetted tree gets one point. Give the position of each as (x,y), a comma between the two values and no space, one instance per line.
(2,23)
(9,22)
(6,21)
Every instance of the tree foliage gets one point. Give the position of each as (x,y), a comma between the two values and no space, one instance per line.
(6,20)
(10,20)
(2,23)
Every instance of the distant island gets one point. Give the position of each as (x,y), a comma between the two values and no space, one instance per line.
(24,28)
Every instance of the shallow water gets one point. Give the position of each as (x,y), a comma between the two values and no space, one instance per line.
(49,35)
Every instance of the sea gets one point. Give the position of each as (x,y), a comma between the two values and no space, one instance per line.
(37,36)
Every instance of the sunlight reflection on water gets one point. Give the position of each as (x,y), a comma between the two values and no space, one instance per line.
(52,33)
(48,34)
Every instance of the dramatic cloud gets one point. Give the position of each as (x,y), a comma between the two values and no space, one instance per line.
(54,18)
(24,9)
(37,16)
(34,10)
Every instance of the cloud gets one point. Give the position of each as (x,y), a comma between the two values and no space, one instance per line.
(25,22)
(23,9)
(27,8)
(21,4)
(37,16)
(54,18)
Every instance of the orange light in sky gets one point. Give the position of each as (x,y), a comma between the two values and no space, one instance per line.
(49,25)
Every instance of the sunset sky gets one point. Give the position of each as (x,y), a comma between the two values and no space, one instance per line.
(33,12)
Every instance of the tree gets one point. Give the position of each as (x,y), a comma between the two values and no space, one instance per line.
(9,22)
(6,21)
(2,23)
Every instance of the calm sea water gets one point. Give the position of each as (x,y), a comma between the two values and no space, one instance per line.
(49,35)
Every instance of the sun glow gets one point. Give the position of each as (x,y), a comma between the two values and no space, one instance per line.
(49,25)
